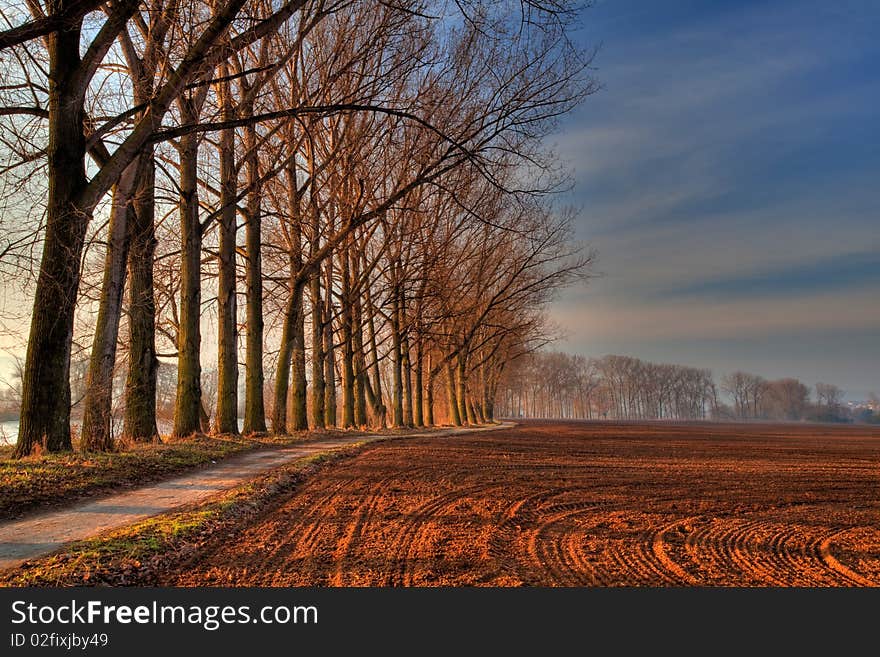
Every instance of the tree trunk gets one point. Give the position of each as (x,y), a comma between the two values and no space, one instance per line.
(462,388)
(405,365)
(291,369)
(204,418)
(452,401)
(45,403)
(348,383)
(292,316)
(419,418)
(254,405)
(429,399)
(329,353)
(188,403)
(397,364)
(329,376)
(317,352)
(475,414)
(98,404)
(227,340)
(374,391)
(298,389)
(96,434)
(140,387)
(360,360)
(486,400)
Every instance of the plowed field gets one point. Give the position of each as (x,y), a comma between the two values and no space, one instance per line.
(576,504)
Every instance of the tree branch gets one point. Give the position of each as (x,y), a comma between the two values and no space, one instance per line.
(43,26)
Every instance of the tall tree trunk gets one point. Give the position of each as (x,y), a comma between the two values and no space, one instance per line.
(486,399)
(291,369)
(188,403)
(419,387)
(227,339)
(45,403)
(317,352)
(96,434)
(140,386)
(405,365)
(317,396)
(360,359)
(291,362)
(397,364)
(476,411)
(429,399)
(329,376)
(254,405)
(299,420)
(406,368)
(282,367)
(451,398)
(374,390)
(96,430)
(346,315)
(462,387)
(329,352)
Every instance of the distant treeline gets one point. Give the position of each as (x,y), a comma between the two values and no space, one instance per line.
(560,385)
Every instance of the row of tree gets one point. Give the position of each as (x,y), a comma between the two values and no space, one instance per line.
(358,187)
(559,385)
(754,397)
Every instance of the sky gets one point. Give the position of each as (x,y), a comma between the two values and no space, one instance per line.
(728,175)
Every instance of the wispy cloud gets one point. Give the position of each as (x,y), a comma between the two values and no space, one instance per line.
(728,173)
(722,317)
(851,271)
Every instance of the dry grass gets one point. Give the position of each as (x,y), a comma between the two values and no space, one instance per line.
(43,479)
(140,553)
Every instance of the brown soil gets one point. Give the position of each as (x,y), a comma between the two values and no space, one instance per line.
(575,504)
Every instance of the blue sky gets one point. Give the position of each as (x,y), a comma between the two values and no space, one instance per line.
(728,174)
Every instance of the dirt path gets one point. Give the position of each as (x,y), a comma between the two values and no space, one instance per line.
(42,533)
(566,504)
